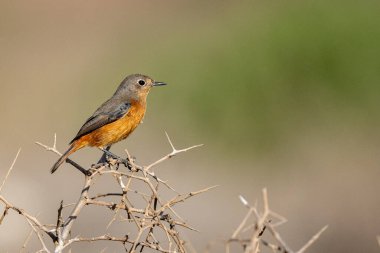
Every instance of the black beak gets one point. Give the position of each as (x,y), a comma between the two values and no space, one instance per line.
(158,83)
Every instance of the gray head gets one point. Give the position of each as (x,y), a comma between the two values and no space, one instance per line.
(136,86)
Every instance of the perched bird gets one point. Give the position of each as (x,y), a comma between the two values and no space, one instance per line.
(115,119)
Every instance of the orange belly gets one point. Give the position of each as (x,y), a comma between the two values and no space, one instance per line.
(115,131)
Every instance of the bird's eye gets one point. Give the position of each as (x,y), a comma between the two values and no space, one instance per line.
(141,82)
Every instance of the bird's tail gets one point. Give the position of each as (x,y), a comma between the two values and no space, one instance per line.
(63,158)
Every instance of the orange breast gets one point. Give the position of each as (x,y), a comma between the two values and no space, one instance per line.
(115,131)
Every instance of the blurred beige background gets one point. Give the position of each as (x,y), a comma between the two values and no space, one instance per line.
(284,95)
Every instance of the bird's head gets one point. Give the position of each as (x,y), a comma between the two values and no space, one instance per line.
(136,86)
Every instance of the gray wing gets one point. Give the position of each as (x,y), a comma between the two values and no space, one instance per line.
(106,113)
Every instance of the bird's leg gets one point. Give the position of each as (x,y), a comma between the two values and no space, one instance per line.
(103,159)
(106,153)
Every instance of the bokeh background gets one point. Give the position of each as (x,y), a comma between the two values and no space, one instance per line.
(284,95)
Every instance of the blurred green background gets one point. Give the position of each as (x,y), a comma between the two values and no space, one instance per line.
(284,94)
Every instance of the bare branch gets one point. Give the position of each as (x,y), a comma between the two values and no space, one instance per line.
(44,248)
(312,240)
(54,150)
(157,214)
(9,170)
(181,198)
(242,224)
(27,240)
(262,223)
(28,217)
(146,205)
(171,154)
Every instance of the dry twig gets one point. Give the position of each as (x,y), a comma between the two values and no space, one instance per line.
(262,221)
(156,224)
(9,170)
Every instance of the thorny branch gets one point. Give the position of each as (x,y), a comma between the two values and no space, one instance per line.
(158,213)
(155,224)
(262,221)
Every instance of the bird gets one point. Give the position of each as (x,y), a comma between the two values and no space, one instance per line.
(115,119)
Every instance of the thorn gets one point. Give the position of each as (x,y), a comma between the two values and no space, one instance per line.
(170,142)
(243,201)
(55,141)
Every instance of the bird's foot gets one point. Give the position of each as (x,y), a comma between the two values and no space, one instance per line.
(126,163)
(118,159)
